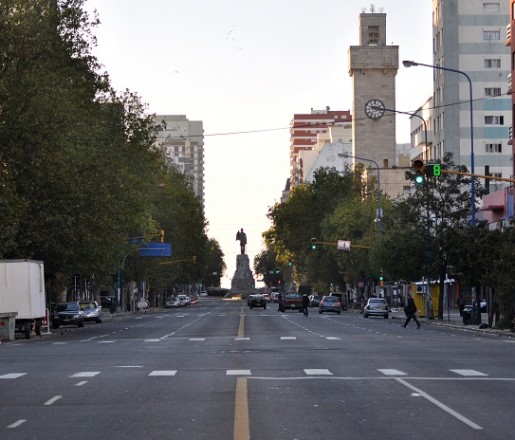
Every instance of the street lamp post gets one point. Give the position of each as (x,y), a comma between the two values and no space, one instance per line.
(379,215)
(408,63)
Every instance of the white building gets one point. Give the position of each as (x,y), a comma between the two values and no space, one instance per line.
(184,143)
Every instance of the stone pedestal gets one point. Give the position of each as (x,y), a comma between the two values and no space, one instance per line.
(242,281)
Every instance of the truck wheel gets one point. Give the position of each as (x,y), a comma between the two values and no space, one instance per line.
(38,327)
(27,328)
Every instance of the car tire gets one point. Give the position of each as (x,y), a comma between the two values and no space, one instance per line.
(264,306)
(320,311)
(339,313)
(250,307)
(365,315)
(98,320)
(385,316)
(81,323)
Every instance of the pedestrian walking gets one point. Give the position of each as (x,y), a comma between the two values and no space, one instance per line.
(305,304)
(411,310)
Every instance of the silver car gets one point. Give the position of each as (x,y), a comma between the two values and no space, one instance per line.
(376,307)
(92,311)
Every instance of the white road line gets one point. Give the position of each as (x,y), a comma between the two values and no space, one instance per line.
(333,338)
(106,342)
(238,373)
(391,372)
(440,405)
(86,374)
(197,339)
(469,373)
(288,338)
(317,372)
(152,340)
(16,424)
(83,382)
(163,373)
(52,400)
(242,339)
(12,375)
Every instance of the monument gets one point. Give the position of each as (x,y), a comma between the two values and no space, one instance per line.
(242,281)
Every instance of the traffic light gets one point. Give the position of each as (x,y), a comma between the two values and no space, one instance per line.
(162,235)
(290,263)
(314,243)
(419,168)
(381,280)
(433,170)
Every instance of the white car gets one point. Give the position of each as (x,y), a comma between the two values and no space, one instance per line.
(184,299)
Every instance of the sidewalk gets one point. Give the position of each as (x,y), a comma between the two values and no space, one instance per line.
(452,319)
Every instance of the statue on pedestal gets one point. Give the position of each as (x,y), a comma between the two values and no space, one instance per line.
(242,237)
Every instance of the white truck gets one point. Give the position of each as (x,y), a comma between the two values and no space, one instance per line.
(22,291)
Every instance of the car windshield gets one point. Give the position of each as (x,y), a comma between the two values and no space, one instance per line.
(330,299)
(67,306)
(88,305)
(292,296)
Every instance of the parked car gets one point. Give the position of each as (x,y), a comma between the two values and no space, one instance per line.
(314,300)
(92,311)
(267,297)
(257,301)
(292,301)
(275,296)
(68,313)
(184,299)
(376,307)
(173,302)
(330,304)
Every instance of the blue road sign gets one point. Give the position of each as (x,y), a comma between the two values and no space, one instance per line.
(156,250)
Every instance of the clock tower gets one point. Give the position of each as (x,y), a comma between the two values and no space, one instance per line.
(373,66)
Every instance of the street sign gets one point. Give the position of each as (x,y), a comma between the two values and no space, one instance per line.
(344,245)
(156,250)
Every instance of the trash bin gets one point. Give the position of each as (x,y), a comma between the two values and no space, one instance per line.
(7,325)
(467,316)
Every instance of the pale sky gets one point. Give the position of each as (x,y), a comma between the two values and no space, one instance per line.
(244,68)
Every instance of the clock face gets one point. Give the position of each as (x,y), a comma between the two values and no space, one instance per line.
(374,109)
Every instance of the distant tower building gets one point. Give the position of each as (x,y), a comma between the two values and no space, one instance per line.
(469,36)
(510,42)
(184,143)
(304,128)
(373,66)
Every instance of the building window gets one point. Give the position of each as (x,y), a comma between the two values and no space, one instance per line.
(491,7)
(494,120)
(493,91)
(493,63)
(493,148)
(373,34)
(492,35)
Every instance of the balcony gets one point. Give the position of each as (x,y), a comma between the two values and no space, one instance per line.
(508,35)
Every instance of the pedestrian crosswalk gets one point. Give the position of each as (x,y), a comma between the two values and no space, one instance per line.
(306,372)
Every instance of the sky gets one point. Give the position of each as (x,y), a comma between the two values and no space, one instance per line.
(244,68)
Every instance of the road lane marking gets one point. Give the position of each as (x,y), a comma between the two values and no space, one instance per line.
(241,328)
(440,405)
(318,372)
(12,375)
(288,338)
(391,372)
(86,374)
(241,411)
(238,373)
(242,339)
(333,338)
(83,382)
(152,340)
(16,424)
(469,373)
(163,373)
(52,400)
(197,339)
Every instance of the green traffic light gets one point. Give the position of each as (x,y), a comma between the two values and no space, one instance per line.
(419,179)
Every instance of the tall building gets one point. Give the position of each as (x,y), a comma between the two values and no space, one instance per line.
(510,43)
(373,66)
(184,143)
(468,36)
(304,128)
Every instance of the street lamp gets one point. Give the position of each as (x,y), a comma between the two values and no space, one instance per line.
(379,214)
(408,63)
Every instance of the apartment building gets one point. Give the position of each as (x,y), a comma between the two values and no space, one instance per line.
(304,129)
(468,37)
(184,143)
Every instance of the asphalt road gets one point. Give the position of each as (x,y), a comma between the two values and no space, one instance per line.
(220,371)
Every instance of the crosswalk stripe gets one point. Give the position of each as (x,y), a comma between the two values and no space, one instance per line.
(86,374)
(317,372)
(391,372)
(238,373)
(12,375)
(469,373)
(163,373)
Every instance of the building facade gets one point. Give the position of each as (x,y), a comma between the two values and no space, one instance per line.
(304,129)
(468,36)
(184,145)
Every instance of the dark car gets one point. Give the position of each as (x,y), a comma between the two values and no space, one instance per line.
(257,301)
(92,311)
(342,298)
(330,304)
(292,301)
(68,313)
